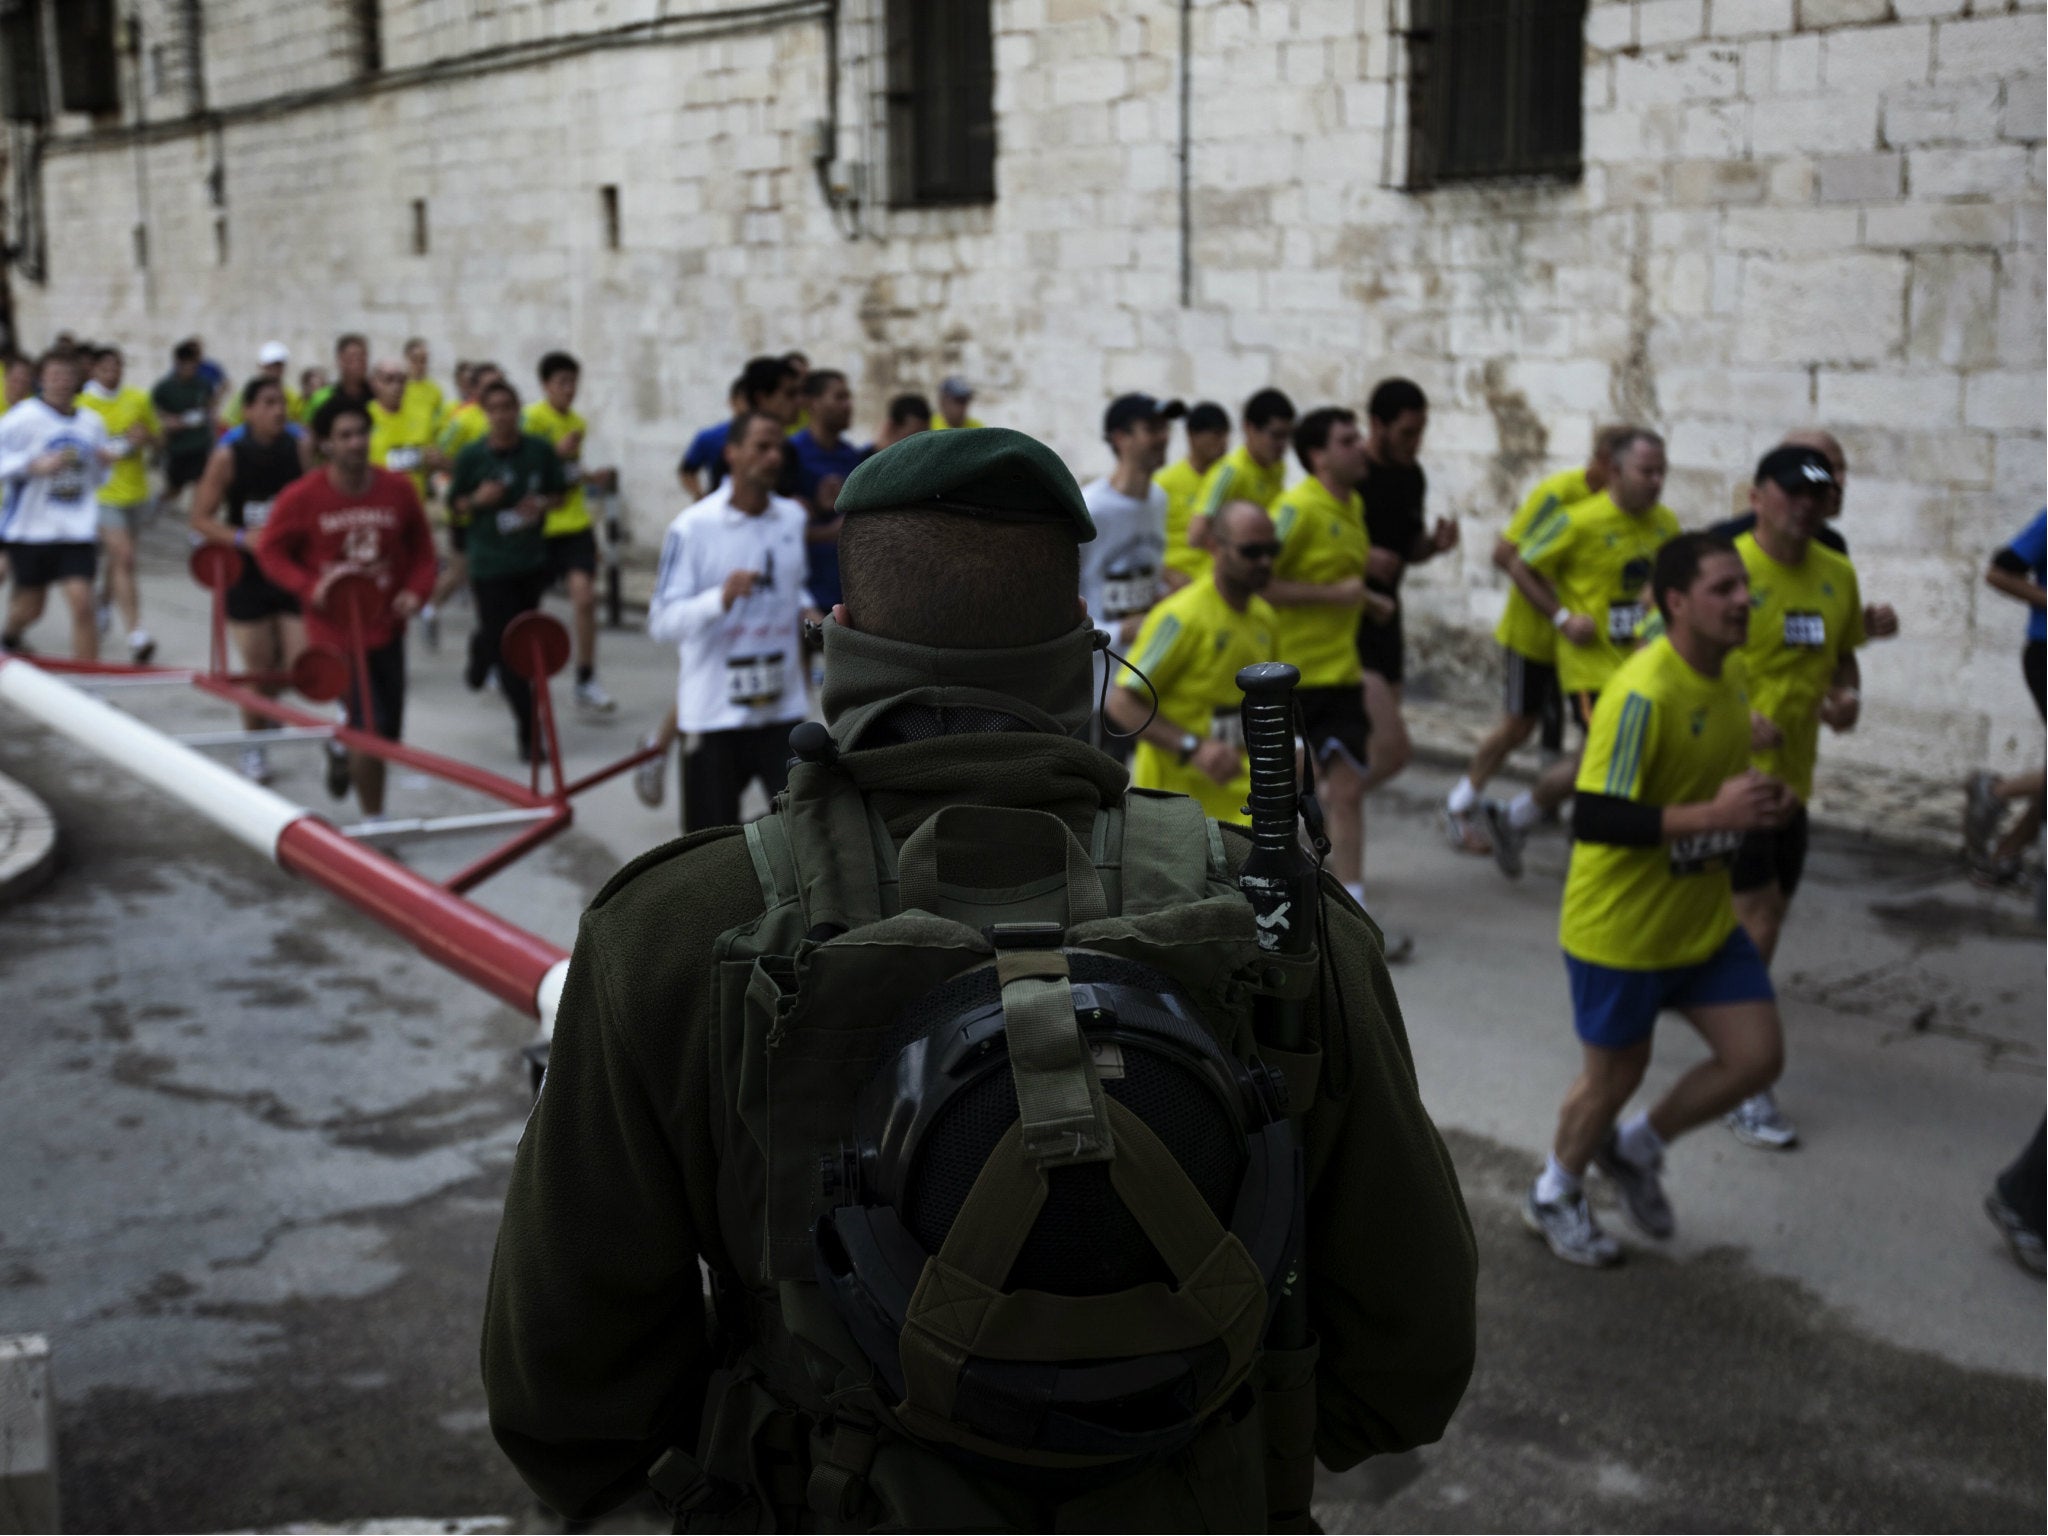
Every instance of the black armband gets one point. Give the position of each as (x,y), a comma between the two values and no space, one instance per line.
(1611,819)
(2011,562)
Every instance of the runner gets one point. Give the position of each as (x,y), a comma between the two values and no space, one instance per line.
(799,364)
(244,477)
(956,394)
(766,385)
(272,359)
(822,457)
(2016,571)
(184,407)
(1665,796)
(1584,570)
(132,430)
(1120,567)
(53,459)
(503,488)
(1318,591)
(465,424)
(730,598)
(1190,649)
(353,516)
(424,401)
(1394,489)
(1255,471)
(402,438)
(351,375)
(1528,645)
(1208,430)
(908,416)
(20,380)
(572,545)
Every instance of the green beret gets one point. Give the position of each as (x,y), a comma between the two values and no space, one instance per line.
(976,471)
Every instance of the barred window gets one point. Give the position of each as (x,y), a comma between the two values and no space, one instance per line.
(941,96)
(1495,89)
(22,96)
(88,72)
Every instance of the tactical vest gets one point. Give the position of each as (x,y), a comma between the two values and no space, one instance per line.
(799,1431)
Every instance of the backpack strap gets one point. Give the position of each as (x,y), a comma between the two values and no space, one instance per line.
(1158,850)
(774,866)
(840,859)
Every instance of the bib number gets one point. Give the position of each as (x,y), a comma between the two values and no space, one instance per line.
(68,484)
(511,522)
(752,680)
(402,461)
(1806,631)
(1227,726)
(1703,851)
(1123,596)
(1623,620)
(255,513)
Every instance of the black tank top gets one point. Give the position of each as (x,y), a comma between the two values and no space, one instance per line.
(261,471)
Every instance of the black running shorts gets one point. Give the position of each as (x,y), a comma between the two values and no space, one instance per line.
(34,566)
(1772,858)
(573,552)
(1334,720)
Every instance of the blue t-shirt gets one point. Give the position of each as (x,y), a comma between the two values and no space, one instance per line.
(213,373)
(2030,546)
(706,453)
(819,472)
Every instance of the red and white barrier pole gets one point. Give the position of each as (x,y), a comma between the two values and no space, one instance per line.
(518,967)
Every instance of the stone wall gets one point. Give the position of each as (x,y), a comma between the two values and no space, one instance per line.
(1792,212)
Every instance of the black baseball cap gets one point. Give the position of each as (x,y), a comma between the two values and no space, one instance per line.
(1208,416)
(1802,471)
(1128,410)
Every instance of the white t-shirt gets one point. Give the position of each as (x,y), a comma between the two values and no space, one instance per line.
(1121,565)
(741,666)
(51,509)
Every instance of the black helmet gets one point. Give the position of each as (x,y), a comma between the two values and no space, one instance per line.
(1082,1337)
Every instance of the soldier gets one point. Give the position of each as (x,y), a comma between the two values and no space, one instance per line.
(946,823)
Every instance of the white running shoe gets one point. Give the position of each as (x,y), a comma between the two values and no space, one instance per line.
(1758,1122)
(1570,1230)
(1641,1189)
(591,696)
(255,765)
(650,779)
(141,646)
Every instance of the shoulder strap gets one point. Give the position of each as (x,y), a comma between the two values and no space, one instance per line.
(774,868)
(1158,850)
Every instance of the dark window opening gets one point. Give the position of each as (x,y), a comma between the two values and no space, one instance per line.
(419,226)
(1495,89)
(220,241)
(87,60)
(142,245)
(608,207)
(370,35)
(941,96)
(22,96)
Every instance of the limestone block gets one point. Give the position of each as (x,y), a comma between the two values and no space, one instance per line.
(1821,309)
(1793,180)
(1748,18)
(1873,59)
(1718,183)
(1874,178)
(1325,18)
(1938,224)
(1815,125)
(1952,316)
(1915,10)
(1715,130)
(1790,229)
(1959,113)
(1815,15)
(1097,79)
(1572,385)
(1795,66)
(1660,23)
(2025,108)
(1891,514)
(1712,73)
(1995,171)
(2021,479)
(1987,47)
(1704,443)
(1918,400)
(1964,458)
(1610,25)
(1760,396)
(2005,401)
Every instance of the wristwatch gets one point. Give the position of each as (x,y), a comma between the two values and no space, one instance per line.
(1188,743)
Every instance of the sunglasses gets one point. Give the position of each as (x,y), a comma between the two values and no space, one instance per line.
(1258,551)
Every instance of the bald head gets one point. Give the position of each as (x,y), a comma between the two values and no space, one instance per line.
(1246,547)
(1242,522)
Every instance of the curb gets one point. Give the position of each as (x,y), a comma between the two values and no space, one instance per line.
(28,842)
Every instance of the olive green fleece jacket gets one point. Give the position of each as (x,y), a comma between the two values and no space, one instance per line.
(595,1355)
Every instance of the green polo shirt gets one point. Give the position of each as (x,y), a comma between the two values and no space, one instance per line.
(500,542)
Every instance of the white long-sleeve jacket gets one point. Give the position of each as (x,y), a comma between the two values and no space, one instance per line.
(51,509)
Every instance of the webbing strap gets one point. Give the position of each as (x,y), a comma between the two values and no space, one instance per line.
(944,867)
(774,868)
(1170,852)
(1061,1108)
(826,822)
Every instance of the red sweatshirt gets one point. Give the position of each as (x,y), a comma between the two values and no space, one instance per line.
(314,527)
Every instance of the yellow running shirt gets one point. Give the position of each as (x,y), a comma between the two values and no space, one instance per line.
(1191,647)
(1182,484)
(1599,557)
(425,407)
(1803,620)
(397,444)
(551,426)
(1522,629)
(1322,540)
(940,424)
(127,483)
(1663,735)
(1237,476)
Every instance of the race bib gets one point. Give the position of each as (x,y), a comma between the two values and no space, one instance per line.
(193,419)
(1623,619)
(1227,725)
(511,522)
(402,461)
(751,680)
(255,513)
(572,472)
(1703,851)
(1806,631)
(1129,594)
(68,484)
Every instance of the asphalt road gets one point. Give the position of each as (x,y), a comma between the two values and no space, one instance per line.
(255,1148)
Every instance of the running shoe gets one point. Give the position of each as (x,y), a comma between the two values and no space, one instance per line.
(1507,838)
(1570,1230)
(337,770)
(1462,835)
(650,779)
(2024,1241)
(1641,1189)
(1758,1122)
(474,672)
(255,765)
(591,696)
(141,646)
(1981,812)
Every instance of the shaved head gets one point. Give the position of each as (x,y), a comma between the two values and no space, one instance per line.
(1242,522)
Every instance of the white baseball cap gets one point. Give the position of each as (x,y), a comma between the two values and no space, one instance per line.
(274,352)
